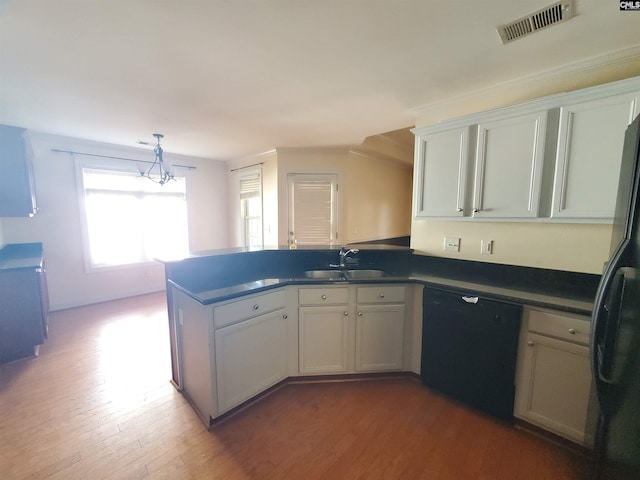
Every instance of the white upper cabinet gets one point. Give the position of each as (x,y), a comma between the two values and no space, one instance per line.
(590,138)
(441,165)
(509,161)
(555,158)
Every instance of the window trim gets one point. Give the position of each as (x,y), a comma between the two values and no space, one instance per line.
(257,173)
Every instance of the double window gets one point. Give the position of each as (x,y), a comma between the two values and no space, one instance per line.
(129,219)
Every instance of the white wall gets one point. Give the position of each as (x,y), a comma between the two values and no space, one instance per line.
(57,223)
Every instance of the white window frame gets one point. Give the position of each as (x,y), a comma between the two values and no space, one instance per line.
(248,176)
(96,163)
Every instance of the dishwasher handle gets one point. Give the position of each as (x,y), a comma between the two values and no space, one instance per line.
(470,299)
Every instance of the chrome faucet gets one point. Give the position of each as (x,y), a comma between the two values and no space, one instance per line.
(343,255)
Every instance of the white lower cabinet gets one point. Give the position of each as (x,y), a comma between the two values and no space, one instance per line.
(251,356)
(380,328)
(553,381)
(334,339)
(324,330)
(231,351)
(194,334)
(324,339)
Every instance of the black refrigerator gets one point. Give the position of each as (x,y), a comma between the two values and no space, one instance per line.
(615,330)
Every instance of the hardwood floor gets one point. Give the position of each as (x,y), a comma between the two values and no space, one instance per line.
(97,404)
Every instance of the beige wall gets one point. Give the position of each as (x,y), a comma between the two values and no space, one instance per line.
(57,223)
(522,90)
(374,197)
(309,160)
(572,247)
(378,194)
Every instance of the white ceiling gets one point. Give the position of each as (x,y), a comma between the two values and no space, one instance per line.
(222,79)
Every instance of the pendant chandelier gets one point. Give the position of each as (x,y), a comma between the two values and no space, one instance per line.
(156,172)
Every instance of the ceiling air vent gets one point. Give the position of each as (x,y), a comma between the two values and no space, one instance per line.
(556,13)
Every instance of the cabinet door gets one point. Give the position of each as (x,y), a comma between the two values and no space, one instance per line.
(250,357)
(194,362)
(509,158)
(22,313)
(554,388)
(441,172)
(379,338)
(17,186)
(589,151)
(324,339)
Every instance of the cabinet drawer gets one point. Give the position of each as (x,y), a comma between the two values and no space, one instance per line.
(567,327)
(323,296)
(380,294)
(247,308)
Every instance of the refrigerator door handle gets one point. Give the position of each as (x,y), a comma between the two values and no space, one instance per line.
(605,328)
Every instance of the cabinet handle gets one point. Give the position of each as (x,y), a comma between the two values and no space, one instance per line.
(382,295)
(285,316)
(324,297)
(346,314)
(256,307)
(459,209)
(359,314)
(475,210)
(572,331)
(530,343)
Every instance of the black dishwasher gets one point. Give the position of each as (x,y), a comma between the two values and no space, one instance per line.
(469,348)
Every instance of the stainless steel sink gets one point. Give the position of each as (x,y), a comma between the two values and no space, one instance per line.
(361,274)
(324,274)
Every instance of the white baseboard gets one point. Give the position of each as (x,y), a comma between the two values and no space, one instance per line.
(83,302)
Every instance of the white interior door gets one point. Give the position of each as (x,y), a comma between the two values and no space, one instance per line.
(313,207)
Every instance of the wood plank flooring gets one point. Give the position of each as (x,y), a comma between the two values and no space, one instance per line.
(97,404)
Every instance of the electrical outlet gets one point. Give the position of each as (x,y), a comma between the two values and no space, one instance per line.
(452,244)
(486,247)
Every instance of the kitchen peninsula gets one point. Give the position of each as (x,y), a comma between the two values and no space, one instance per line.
(243,321)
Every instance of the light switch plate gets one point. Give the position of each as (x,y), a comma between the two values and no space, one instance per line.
(486,247)
(452,244)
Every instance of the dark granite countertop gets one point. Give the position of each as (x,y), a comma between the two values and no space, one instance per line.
(20,256)
(580,305)
(283,248)
(219,275)
(584,306)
